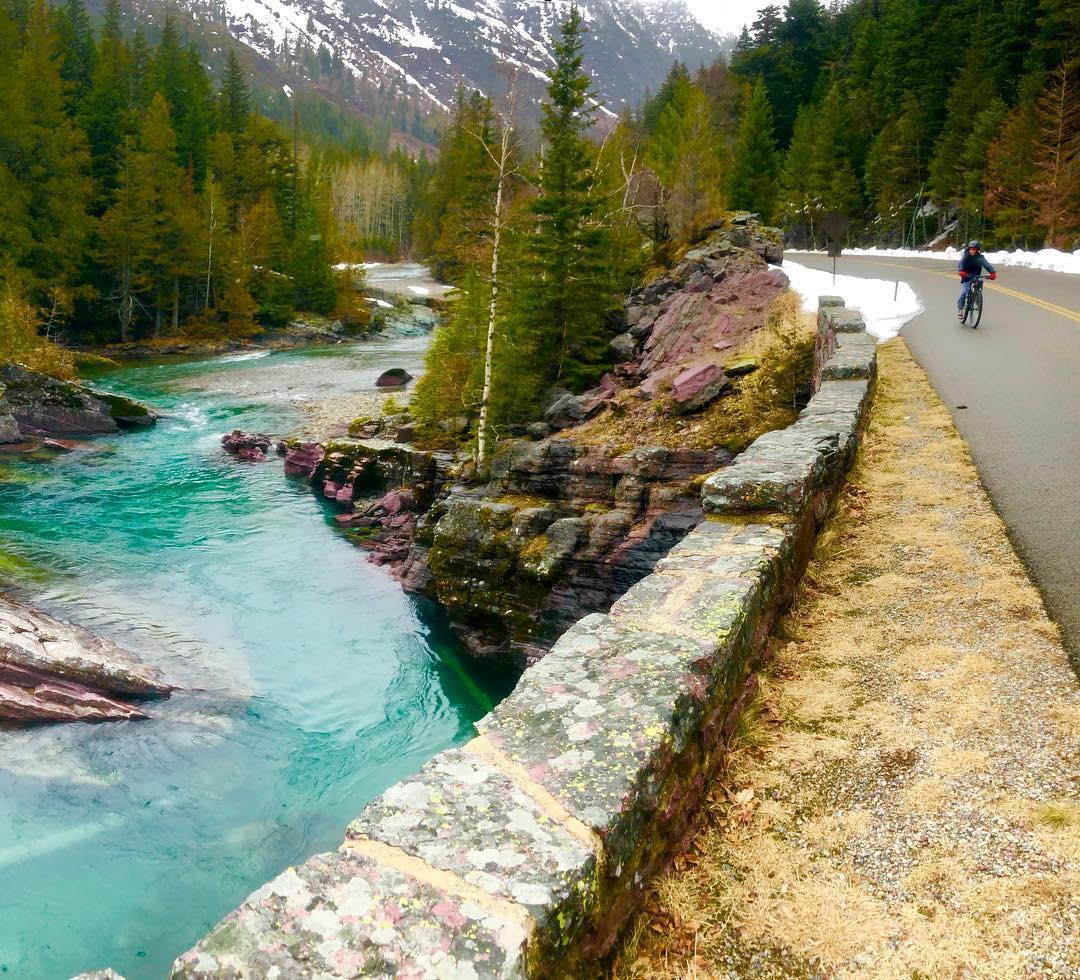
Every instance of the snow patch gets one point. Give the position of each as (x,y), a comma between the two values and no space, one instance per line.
(874,298)
(1050,259)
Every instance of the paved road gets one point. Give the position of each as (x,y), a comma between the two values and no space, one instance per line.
(1018,380)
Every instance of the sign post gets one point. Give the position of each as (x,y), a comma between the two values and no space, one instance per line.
(834,225)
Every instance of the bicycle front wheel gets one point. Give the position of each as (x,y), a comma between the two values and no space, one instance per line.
(976,309)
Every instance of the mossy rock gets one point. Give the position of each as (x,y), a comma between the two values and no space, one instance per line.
(126,411)
(740,367)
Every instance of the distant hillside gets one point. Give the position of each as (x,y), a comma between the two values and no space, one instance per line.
(424,49)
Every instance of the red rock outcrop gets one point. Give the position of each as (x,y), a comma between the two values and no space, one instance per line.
(56,671)
(562,529)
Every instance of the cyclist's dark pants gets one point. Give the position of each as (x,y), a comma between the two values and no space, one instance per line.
(965,285)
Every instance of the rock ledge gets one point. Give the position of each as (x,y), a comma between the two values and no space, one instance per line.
(56,671)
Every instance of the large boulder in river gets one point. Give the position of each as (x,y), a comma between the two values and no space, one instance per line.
(45,406)
(394,378)
(56,671)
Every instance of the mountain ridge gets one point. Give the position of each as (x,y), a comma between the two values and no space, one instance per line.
(426,49)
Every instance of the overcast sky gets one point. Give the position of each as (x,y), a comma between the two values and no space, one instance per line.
(726,16)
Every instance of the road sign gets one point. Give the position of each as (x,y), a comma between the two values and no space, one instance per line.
(834,224)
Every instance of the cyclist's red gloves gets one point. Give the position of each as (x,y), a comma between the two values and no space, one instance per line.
(993,275)
(963,274)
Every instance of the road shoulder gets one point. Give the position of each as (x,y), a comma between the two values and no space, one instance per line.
(905,797)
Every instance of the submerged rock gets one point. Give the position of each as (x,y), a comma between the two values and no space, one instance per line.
(43,406)
(251,446)
(56,671)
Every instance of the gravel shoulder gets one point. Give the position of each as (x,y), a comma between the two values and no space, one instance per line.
(904,797)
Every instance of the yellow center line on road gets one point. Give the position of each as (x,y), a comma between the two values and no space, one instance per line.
(1015,294)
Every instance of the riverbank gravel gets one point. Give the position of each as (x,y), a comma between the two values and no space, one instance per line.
(329,418)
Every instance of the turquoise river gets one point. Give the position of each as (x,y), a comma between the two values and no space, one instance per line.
(309,681)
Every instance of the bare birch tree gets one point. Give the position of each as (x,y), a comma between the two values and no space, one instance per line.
(504,159)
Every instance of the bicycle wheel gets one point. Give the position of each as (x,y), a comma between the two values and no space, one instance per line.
(967,308)
(976,309)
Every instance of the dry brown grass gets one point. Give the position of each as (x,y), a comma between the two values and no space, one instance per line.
(913,757)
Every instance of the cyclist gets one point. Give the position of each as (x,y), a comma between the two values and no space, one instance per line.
(971,263)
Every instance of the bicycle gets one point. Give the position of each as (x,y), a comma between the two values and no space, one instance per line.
(973,303)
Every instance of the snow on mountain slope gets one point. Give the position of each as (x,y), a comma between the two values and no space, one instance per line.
(427,48)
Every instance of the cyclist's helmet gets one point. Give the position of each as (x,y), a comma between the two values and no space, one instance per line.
(975,245)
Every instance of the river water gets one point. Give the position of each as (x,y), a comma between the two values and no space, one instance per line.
(310,681)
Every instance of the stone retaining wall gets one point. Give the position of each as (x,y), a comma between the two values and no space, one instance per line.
(524,852)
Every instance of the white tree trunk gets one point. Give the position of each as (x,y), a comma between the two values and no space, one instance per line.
(505,151)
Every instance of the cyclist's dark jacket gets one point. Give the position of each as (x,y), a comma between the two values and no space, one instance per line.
(971,264)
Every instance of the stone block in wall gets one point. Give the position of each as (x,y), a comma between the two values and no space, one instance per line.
(826,303)
(346,914)
(595,722)
(468,812)
(778,472)
(839,407)
(841,319)
(845,396)
(783,470)
(854,356)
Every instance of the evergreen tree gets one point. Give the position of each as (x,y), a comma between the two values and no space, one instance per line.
(1056,187)
(687,161)
(106,116)
(1010,36)
(46,155)
(987,124)
(309,267)
(450,386)
(946,173)
(235,99)
(197,124)
(178,74)
(754,176)
(673,88)
(148,233)
(1010,170)
(571,293)
(140,76)
(1058,40)
(462,188)
(833,183)
(894,166)
(798,199)
(77,48)
(14,195)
